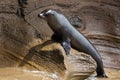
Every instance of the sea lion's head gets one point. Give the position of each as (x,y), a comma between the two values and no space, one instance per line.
(46,14)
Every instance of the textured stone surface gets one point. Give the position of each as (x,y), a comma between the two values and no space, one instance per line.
(21,36)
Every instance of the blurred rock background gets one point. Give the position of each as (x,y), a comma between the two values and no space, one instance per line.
(25,38)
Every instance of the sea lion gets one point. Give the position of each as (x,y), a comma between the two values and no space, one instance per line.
(69,37)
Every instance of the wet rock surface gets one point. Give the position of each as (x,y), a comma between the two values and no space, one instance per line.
(24,38)
(23,74)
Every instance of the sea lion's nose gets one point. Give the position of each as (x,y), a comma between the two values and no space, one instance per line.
(41,15)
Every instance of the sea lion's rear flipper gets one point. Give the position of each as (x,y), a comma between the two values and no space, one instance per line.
(66,45)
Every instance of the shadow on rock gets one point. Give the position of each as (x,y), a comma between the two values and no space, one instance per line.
(45,57)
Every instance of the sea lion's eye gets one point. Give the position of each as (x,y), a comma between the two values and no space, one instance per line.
(46,14)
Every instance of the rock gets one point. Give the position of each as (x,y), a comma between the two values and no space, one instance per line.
(45,57)
(23,74)
(21,37)
(79,66)
(51,57)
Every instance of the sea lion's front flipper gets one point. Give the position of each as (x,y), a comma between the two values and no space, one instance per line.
(66,45)
(65,42)
(56,38)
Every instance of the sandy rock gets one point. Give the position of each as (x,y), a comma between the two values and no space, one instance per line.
(21,37)
(51,57)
